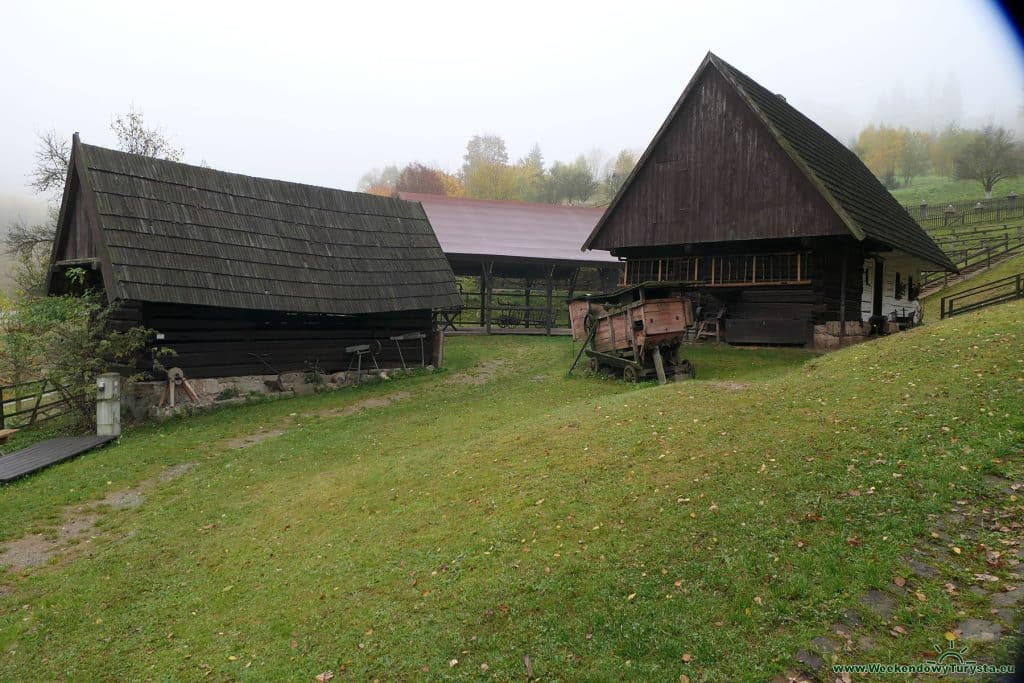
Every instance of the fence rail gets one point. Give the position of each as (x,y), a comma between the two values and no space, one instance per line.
(997,291)
(34,402)
(968,258)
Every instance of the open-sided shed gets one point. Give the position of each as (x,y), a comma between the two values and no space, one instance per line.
(242,275)
(524,259)
(775,225)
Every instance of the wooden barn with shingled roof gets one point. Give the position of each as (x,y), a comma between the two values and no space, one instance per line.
(242,275)
(779,232)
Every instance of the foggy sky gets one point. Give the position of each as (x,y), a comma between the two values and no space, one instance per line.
(321,93)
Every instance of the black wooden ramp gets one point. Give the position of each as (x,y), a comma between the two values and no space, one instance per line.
(46,453)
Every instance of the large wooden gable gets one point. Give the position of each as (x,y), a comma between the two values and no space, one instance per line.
(734,161)
(171,233)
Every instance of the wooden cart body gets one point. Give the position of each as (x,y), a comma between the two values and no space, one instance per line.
(638,329)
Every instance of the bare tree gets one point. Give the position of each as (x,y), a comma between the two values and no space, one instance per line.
(51,169)
(991,155)
(133,136)
(31,243)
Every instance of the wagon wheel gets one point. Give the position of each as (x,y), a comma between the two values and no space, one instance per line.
(630,373)
(686,369)
(595,365)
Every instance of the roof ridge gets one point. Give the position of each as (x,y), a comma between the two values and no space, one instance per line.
(87,148)
(859,177)
(828,165)
(418,197)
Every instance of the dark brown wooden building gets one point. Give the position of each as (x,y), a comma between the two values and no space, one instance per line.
(771,221)
(245,275)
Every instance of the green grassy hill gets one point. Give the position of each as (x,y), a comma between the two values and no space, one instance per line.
(464,520)
(937,190)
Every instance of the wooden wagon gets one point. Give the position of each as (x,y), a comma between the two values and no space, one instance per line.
(637,329)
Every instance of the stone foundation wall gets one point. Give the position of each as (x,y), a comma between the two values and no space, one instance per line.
(141,399)
(826,337)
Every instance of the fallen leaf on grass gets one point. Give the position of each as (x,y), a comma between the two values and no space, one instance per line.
(900,581)
(683,678)
(897,630)
(853,541)
(631,596)
(325,677)
(687,658)
(956,550)
(920,596)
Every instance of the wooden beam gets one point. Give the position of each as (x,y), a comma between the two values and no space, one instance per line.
(550,293)
(483,290)
(572,282)
(488,267)
(842,300)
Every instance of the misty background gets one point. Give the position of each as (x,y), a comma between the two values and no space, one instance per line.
(322,93)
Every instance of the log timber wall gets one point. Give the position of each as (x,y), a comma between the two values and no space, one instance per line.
(225,342)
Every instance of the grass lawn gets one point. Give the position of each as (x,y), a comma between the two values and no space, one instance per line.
(940,190)
(499,509)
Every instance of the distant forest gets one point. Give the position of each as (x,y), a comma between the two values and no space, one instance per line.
(487,173)
(896,155)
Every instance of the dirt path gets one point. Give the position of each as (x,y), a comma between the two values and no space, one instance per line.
(78,525)
(254,438)
(364,404)
(480,374)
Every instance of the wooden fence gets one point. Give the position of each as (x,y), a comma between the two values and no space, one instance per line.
(30,403)
(970,212)
(997,291)
(976,249)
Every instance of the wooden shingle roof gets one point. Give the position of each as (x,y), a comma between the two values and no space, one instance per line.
(842,179)
(175,233)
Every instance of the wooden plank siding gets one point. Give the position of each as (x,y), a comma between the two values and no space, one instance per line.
(215,342)
(716,175)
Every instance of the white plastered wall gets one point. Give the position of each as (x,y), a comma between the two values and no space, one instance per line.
(895,263)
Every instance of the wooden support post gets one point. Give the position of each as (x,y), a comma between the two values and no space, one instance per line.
(483,290)
(572,282)
(488,287)
(437,352)
(842,299)
(528,288)
(549,311)
(39,400)
(659,365)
